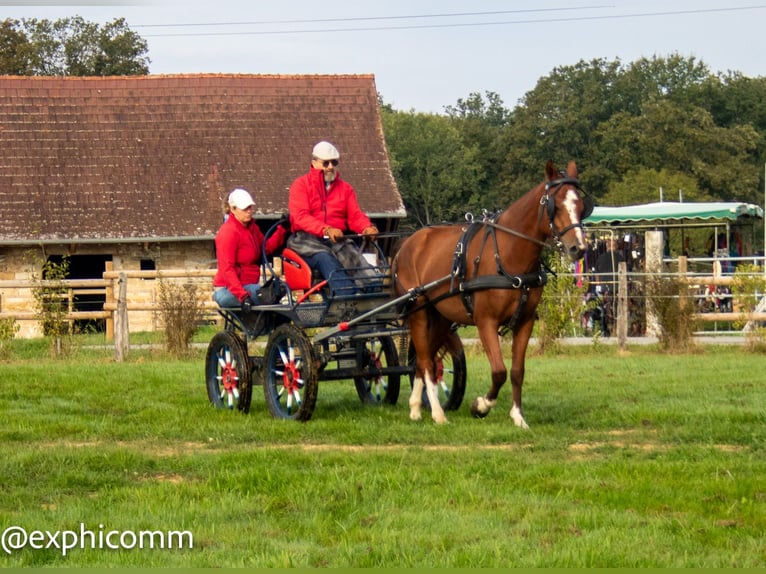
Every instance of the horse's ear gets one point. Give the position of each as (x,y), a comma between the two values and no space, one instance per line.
(572,169)
(550,170)
(587,209)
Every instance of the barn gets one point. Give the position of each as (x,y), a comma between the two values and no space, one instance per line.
(130,173)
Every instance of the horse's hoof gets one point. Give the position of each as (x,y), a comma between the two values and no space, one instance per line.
(441,420)
(479,408)
(518,418)
(415,416)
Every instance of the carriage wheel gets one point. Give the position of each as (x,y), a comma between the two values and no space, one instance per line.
(227,372)
(379,389)
(450,375)
(290,380)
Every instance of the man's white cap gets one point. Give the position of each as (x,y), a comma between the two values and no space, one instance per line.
(241,199)
(325,150)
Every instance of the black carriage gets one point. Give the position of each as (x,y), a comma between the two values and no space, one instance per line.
(312,334)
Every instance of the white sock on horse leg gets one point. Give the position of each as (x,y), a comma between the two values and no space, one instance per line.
(437,412)
(416,398)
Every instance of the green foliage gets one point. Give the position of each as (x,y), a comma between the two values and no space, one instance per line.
(561,305)
(180,312)
(642,185)
(8,329)
(748,289)
(673,307)
(657,122)
(71,47)
(14,49)
(435,170)
(51,296)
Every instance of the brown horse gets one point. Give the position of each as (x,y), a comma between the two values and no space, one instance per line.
(487,274)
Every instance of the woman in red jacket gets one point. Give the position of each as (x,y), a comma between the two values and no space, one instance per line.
(322,206)
(238,246)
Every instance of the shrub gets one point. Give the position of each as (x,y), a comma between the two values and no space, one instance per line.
(8,329)
(180,312)
(669,300)
(748,287)
(51,295)
(561,305)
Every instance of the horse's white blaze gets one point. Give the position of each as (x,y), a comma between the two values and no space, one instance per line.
(570,202)
(518,418)
(484,405)
(437,412)
(415,399)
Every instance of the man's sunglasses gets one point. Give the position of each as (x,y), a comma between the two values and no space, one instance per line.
(327,162)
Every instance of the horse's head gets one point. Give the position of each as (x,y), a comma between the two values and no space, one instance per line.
(566,205)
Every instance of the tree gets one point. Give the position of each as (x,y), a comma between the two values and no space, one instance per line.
(71,47)
(481,123)
(437,174)
(684,140)
(14,49)
(642,185)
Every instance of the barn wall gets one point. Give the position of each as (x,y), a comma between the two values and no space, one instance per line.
(23,264)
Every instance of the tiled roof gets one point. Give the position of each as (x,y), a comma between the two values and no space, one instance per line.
(152,157)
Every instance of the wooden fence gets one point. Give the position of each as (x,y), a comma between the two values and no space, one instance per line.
(118,305)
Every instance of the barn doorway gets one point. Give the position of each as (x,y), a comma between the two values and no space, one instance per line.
(87,267)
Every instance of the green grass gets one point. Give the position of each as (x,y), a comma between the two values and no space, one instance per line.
(633,459)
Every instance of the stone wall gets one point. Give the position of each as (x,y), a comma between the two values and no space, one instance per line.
(22,264)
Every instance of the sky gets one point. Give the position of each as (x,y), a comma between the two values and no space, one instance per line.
(426,54)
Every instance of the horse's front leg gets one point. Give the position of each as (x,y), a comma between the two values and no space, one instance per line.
(437,412)
(491,341)
(518,356)
(416,396)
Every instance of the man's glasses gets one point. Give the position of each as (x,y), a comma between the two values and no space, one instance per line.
(327,162)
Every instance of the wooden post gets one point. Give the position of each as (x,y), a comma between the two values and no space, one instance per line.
(622,305)
(121,331)
(109,300)
(655,244)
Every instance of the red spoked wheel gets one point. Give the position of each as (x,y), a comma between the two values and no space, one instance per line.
(377,389)
(227,372)
(290,379)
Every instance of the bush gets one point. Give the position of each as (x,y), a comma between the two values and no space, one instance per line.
(561,305)
(8,329)
(748,287)
(669,300)
(180,312)
(51,297)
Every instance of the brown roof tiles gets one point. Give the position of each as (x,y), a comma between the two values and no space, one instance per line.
(152,157)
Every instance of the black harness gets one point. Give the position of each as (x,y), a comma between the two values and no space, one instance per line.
(502,279)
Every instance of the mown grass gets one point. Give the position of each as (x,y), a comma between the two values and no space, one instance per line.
(633,459)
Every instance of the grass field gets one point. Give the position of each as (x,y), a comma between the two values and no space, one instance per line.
(634,459)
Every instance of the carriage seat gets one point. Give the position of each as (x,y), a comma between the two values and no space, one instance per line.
(298,275)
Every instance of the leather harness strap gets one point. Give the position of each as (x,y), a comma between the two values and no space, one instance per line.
(503,279)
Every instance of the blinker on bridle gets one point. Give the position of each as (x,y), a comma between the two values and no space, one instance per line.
(549,204)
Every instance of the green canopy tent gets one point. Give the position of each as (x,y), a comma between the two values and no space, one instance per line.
(653,213)
(671,214)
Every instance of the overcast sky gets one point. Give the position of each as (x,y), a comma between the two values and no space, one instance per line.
(426,54)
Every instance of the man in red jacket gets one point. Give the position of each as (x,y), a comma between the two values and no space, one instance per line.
(238,247)
(323,206)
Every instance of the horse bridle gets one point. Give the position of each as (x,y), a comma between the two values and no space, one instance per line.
(548,203)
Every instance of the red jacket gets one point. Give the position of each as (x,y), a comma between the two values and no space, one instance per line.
(238,249)
(312,208)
